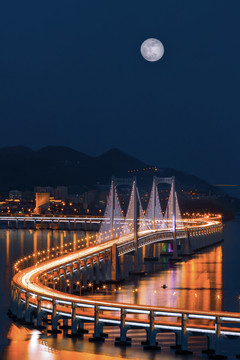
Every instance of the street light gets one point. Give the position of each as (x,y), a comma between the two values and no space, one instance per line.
(54,284)
(67,284)
(79,283)
(91,286)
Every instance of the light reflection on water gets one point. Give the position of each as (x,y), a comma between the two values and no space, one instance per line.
(193,284)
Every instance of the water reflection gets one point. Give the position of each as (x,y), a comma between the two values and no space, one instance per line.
(22,242)
(191,284)
(7,248)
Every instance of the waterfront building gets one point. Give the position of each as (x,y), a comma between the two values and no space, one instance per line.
(42,202)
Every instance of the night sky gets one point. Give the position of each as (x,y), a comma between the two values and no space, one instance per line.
(71,74)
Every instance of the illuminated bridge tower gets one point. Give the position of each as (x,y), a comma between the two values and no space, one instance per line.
(172,217)
(131,219)
(135,224)
(114,223)
(154,216)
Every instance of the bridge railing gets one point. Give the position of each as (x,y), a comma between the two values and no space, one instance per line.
(183,322)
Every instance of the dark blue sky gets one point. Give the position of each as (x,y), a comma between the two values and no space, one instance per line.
(71,74)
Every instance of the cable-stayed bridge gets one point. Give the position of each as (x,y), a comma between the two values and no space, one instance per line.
(39,291)
(137,228)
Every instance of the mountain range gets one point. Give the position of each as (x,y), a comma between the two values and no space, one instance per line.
(23,168)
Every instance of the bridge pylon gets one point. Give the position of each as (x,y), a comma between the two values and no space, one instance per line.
(135,213)
(113,190)
(175,251)
(153,216)
(154,202)
(172,214)
(113,221)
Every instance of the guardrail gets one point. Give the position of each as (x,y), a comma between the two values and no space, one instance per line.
(154,320)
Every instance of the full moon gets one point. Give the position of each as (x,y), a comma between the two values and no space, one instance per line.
(152,49)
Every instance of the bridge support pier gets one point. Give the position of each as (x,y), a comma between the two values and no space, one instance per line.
(74,323)
(77,326)
(54,320)
(218,340)
(27,316)
(19,305)
(151,335)
(114,262)
(184,337)
(39,314)
(98,328)
(174,247)
(187,245)
(89,269)
(14,301)
(123,340)
(63,280)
